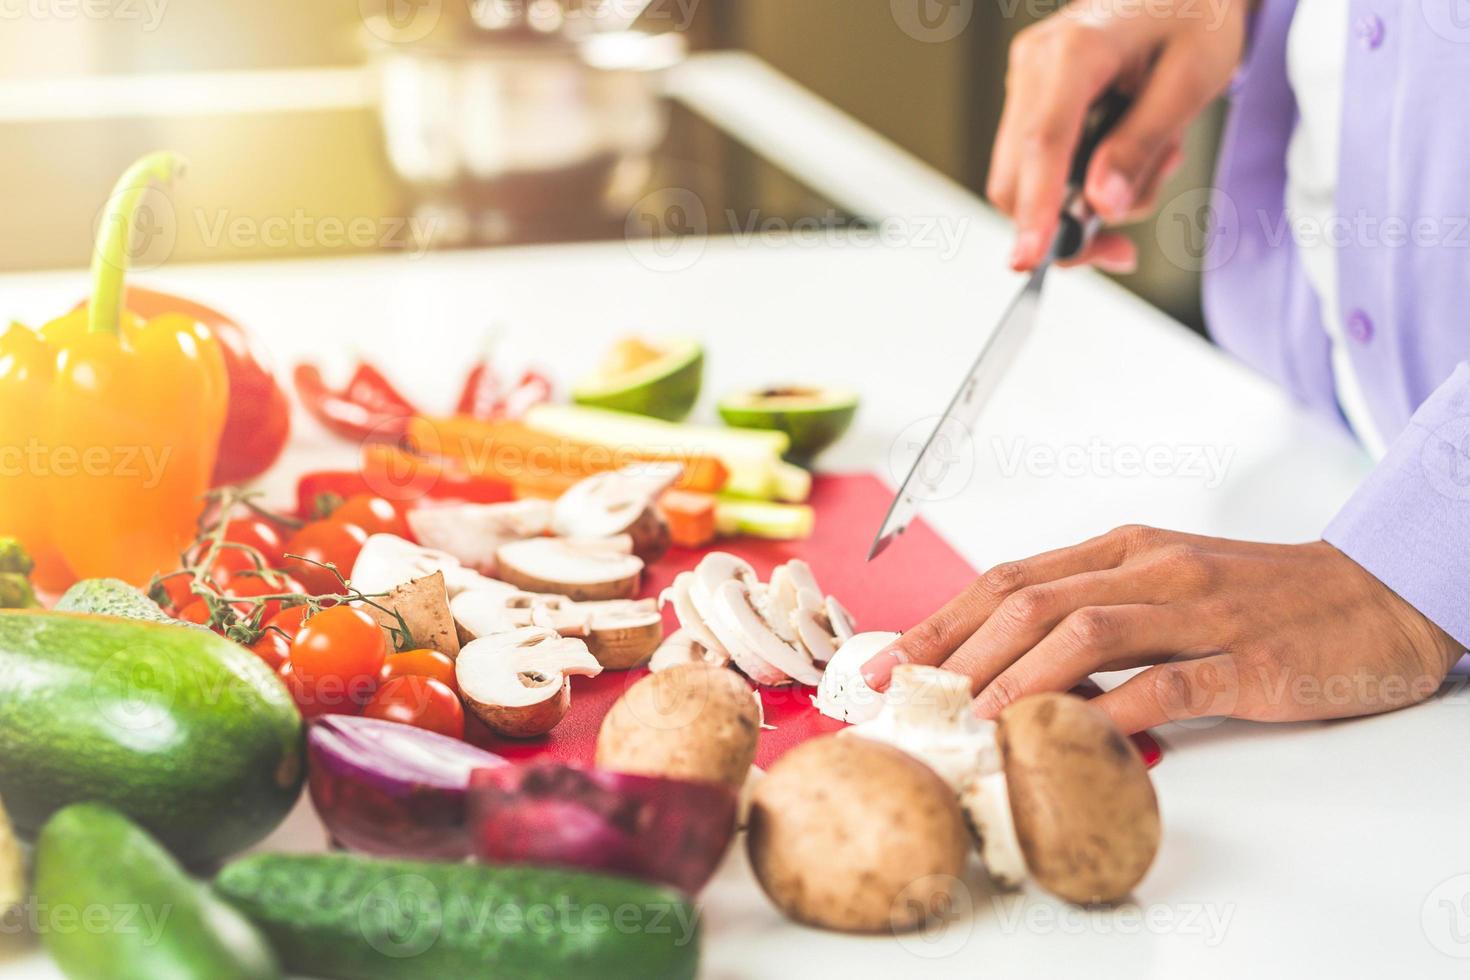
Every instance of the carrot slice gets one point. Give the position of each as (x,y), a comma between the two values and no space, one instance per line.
(690,515)
(528,457)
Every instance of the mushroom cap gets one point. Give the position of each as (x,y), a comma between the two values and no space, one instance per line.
(851,834)
(692,721)
(1083,803)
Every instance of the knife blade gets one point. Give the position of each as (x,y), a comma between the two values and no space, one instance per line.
(1077,226)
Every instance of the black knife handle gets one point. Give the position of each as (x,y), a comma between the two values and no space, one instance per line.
(1079,223)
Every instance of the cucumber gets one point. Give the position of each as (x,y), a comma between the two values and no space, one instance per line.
(114,597)
(183,731)
(359,918)
(112,905)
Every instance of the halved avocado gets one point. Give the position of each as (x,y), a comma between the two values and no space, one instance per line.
(656,378)
(813,417)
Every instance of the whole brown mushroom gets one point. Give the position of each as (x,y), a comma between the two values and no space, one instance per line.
(854,835)
(1081,801)
(692,721)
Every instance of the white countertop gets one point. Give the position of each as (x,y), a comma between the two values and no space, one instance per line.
(1327,849)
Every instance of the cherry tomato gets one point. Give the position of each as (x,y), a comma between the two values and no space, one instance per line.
(324,541)
(257,533)
(419,701)
(289,620)
(373,514)
(328,696)
(229,562)
(341,643)
(177,587)
(273,648)
(247,586)
(420,663)
(196,611)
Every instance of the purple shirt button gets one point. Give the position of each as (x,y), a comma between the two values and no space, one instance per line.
(1359,327)
(1370,31)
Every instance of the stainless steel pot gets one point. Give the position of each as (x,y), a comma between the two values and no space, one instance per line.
(501,135)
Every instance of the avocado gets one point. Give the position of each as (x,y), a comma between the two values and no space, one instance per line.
(361,918)
(188,734)
(661,380)
(113,905)
(114,597)
(813,417)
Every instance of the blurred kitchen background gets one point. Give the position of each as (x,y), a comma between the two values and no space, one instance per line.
(321,126)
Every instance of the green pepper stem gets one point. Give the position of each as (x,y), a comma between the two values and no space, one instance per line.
(114,236)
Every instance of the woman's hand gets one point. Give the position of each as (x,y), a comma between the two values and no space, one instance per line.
(1260,631)
(1175,55)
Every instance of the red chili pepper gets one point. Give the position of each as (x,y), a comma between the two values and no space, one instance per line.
(397,476)
(533,389)
(368,408)
(481,392)
(370,389)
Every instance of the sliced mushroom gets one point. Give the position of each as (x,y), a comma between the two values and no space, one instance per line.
(801,576)
(843,694)
(621,639)
(556,612)
(714,572)
(574,570)
(840,620)
(813,633)
(620,502)
(517,682)
(680,647)
(484,612)
(678,595)
(473,533)
(777,603)
(733,608)
(387,560)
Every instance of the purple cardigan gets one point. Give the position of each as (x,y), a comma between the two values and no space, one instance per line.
(1403,202)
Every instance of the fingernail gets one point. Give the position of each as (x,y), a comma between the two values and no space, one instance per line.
(985,707)
(1115,195)
(879,671)
(1026,251)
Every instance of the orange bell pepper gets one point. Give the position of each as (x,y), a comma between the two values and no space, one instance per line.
(113,420)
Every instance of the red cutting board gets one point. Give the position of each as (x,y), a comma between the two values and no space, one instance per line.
(917,575)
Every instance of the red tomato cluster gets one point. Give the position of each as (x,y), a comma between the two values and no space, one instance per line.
(340,660)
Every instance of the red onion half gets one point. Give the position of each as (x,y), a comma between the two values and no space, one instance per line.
(665,830)
(392,789)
